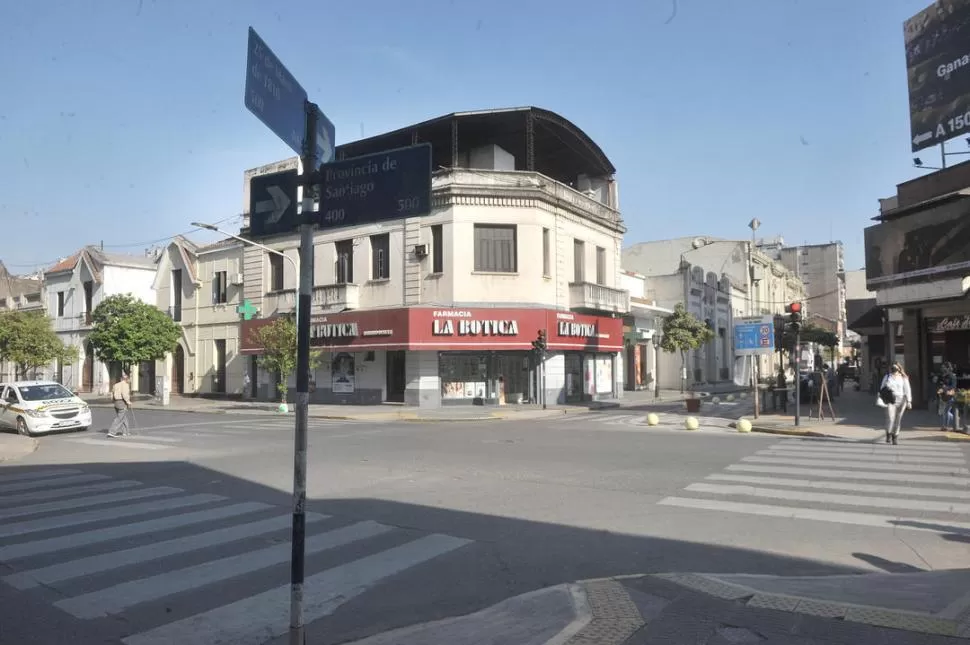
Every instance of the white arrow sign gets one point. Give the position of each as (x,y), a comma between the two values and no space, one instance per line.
(275,206)
(920,138)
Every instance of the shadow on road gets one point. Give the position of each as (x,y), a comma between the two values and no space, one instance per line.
(505,557)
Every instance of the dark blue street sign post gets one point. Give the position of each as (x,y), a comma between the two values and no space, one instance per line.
(754,337)
(386,185)
(272,203)
(274,96)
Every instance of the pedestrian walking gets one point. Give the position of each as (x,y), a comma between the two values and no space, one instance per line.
(896,393)
(121,397)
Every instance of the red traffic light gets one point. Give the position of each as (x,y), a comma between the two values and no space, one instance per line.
(794,308)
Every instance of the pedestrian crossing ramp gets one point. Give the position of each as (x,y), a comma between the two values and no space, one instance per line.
(183,567)
(919,486)
(636,421)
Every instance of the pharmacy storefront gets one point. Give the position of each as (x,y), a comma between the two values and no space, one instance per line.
(462,356)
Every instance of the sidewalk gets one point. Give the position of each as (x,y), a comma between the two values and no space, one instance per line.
(924,608)
(381,412)
(857,418)
(14,446)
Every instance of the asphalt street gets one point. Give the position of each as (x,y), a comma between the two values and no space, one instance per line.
(180,534)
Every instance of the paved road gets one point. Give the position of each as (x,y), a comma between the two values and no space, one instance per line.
(181,533)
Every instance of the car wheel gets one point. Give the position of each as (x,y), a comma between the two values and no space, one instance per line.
(22,427)
(84,428)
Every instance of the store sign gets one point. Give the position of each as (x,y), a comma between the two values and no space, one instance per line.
(334,330)
(474,327)
(578,330)
(952,323)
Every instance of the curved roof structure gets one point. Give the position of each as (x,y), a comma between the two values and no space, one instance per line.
(540,140)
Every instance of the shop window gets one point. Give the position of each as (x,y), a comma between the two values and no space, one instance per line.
(437,249)
(380,249)
(345,261)
(495,248)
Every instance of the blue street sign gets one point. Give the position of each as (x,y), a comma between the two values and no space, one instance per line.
(376,187)
(753,336)
(274,96)
(325,139)
(272,203)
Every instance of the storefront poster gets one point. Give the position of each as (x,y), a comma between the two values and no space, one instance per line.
(604,375)
(343,378)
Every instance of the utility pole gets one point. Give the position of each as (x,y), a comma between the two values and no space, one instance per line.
(798,379)
(304,300)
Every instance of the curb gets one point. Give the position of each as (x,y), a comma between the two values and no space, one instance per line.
(33,444)
(912,621)
(789,433)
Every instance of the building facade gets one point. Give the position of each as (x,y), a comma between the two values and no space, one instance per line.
(641,327)
(821,268)
(918,265)
(73,288)
(718,281)
(524,236)
(18,293)
(201,289)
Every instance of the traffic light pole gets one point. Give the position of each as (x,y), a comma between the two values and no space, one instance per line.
(798,381)
(298,553)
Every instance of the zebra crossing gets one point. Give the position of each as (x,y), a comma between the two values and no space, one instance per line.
(112,547)
(173,437)
(910,486)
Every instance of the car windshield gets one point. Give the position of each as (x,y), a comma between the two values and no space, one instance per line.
(44,392)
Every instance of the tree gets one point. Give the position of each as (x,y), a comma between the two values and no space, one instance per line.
(27,340)
(278,342)
(683,332)
(128,331)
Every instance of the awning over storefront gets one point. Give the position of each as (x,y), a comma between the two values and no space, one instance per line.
(455,329)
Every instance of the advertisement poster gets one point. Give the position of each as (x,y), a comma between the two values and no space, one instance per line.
(342,374)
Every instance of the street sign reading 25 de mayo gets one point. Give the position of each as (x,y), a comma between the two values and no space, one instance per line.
(753,336)
(275,97)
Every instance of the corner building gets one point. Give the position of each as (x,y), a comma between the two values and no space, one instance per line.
(524,235)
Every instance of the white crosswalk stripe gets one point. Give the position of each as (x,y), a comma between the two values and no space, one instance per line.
(118,547)
(922,486)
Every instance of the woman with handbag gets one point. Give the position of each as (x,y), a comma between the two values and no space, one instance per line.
(897,396)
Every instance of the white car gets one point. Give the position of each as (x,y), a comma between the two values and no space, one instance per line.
(36,407)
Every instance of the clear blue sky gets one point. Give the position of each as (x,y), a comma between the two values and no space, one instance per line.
(122,121)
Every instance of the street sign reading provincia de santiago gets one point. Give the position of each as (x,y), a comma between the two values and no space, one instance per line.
(386,185)
(938,72)
(272,203)
(754,336)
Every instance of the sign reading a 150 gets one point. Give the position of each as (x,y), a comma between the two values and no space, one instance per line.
(386,185)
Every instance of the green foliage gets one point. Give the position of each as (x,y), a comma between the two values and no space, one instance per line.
(683,331)
(278,342)
(129,331)
(27,339)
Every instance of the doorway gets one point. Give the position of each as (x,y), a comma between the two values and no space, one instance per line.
(219,382)
(146,377)
(396,380)
(178,370)
(253,373)
(87,372)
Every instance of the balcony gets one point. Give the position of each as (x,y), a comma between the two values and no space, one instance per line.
(596,297)
(332,297)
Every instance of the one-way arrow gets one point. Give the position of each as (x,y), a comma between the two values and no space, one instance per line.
(920,138)
(276,206)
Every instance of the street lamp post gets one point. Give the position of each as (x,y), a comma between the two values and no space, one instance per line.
(656,365)
(295,261)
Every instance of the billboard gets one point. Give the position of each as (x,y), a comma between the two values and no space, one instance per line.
(938,71)
(933,242)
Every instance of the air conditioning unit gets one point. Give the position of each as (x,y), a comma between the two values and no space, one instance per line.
(237,279)
(421,250)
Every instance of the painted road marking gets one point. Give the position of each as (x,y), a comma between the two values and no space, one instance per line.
(38,474)
(69,492)
(95,500)
(48,483)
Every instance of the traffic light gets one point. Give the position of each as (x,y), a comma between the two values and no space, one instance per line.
(794,311)
(539,344)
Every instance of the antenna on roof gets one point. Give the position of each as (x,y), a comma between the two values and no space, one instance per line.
(102,245)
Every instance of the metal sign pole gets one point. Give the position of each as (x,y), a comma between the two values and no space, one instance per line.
(297,563)
(798,381)
(754,378)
